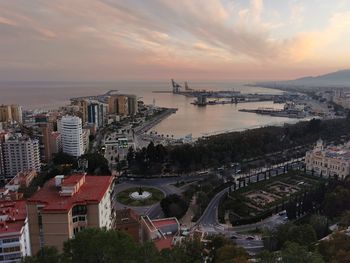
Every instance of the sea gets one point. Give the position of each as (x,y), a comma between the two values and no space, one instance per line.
(188,120)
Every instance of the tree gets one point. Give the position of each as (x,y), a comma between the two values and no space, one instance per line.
(230,253)
(97,164)
(46,254)
(336,249)
(174,205)
(99,245)
(293,252)
(320,224)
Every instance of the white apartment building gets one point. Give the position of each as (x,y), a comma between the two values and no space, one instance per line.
(70,128)
(14,231)
(329,161)
(20,153)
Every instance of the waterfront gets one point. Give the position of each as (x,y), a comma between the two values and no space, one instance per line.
(189,119)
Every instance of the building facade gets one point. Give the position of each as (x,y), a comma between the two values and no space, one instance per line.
(20,153)
(14,231)
(70,128)
(329,161)
(118,104)
(66,205)
(11,113)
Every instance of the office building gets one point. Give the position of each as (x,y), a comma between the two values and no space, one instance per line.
(20,153)
(14,232)
(70,128)
(66,205)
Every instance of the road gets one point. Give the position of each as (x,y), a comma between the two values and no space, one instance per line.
(209,222)
(163,184)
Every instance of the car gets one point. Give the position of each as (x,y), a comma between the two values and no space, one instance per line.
(250,238)
(233,237)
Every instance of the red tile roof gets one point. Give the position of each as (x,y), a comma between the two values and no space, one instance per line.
(164,222)
(164,243)
(72,180)
(91,191)
(14,214)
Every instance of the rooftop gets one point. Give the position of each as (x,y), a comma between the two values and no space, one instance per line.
(91,191)
(126,216)
(12,216)
(158,223)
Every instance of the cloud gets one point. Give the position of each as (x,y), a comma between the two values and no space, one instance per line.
(125,38)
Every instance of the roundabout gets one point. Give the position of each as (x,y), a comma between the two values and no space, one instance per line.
(140,196)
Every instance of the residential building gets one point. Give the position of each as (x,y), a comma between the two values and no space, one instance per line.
(118,104)
(86,134)
(66,205)
(14,232)
(132,105)
(97,113)
(342,98)
(128,221)
(55,143)
(329,161)
(11,113)
(46,128)
(83,108)
(21,180)
(20,153)
(70,128)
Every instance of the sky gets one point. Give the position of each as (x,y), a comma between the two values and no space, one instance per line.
(108,40)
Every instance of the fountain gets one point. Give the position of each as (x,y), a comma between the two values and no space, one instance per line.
(140,194)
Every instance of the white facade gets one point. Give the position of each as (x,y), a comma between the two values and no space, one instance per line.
(20,154)
(70,128)
(330,161)
(105,209)
(14,246)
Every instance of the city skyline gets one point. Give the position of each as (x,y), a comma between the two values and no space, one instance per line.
(155,40)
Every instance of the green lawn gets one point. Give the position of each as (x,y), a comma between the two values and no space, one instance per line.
(124,197)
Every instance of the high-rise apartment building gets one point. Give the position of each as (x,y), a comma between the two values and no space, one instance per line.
(118,104)
(97,114)
(132,105)
(66,205)
(11,113)
(83,108)
(20,153)
(70,128)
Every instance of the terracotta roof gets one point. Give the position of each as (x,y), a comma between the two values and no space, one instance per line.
(164,222)
(126,216)
(164,243)
(13,215)
(72,180)
(91,191)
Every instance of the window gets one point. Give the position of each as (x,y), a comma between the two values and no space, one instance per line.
(79,210)
(11,249)
(10,240)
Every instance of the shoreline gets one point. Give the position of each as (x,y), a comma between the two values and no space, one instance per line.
(149,125)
